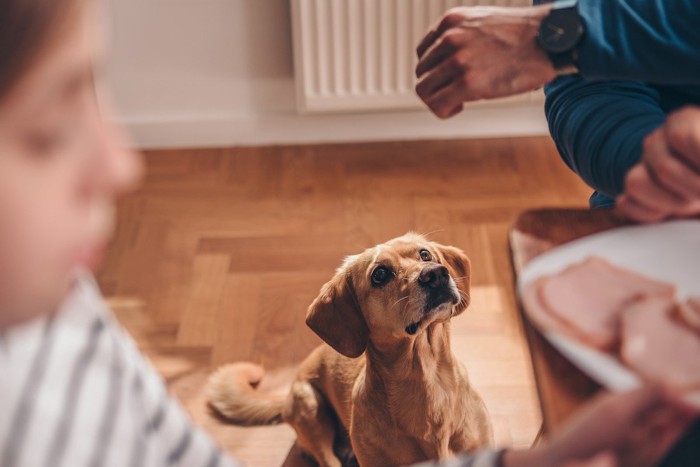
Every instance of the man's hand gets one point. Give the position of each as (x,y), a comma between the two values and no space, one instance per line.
(629,429)
(480,53)
(666,183)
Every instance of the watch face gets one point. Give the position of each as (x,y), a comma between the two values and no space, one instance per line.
(561,32)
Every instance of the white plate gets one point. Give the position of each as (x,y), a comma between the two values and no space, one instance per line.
(669,252)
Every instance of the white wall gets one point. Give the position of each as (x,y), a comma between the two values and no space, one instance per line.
(219,72)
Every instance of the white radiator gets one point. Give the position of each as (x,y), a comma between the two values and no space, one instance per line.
(353,55)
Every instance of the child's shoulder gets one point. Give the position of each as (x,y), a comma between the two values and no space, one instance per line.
(82,335)
(75,384)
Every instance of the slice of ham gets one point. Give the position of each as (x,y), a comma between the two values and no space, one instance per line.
(689,312)
(658,347)
(586,299)
(540,315)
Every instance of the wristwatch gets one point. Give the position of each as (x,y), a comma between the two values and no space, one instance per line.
(560,34)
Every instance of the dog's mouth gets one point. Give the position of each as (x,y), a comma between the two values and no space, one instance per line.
(436,307)
(412,329)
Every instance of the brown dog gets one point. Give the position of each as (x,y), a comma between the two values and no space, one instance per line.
(387,377)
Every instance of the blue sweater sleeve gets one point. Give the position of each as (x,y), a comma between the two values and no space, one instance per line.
(599,127)
(656,41)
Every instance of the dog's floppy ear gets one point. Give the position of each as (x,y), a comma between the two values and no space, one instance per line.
(459,266)
(336,316)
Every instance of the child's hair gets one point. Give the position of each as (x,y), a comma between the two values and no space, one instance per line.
(26,27)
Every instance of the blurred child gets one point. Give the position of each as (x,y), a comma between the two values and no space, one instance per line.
(74,389)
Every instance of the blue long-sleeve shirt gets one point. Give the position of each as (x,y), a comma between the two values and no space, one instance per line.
(639,60)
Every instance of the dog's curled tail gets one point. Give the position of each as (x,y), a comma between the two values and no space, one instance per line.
(231,393)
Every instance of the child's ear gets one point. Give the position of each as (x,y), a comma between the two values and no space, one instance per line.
(459,266)
(337,318)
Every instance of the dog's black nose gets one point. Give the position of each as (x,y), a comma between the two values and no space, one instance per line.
(433,276)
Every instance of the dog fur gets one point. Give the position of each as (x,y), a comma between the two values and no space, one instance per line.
(387,378)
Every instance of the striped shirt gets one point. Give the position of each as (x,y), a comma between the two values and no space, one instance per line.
(76,392)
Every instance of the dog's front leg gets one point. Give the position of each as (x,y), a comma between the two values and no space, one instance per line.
(384,448)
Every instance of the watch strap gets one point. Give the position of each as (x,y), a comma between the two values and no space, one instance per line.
(565,63)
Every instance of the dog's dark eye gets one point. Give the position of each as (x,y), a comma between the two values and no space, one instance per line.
(425,255)
(380,275)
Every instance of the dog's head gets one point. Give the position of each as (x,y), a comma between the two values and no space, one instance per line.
(391,292)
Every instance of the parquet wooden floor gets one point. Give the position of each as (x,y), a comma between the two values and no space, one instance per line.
(219,254)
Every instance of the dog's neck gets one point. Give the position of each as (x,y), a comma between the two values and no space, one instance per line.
(418,357)
(411,380)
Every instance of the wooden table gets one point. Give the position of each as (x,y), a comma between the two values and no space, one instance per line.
(562,387)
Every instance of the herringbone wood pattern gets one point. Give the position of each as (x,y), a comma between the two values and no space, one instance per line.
(218,256)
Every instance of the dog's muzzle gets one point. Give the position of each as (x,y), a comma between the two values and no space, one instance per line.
(440,292)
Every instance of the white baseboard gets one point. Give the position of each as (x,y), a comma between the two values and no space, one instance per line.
(290,128)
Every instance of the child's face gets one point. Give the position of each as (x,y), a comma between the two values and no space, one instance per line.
(61,168)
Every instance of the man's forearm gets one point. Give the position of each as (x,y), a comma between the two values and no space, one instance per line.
(599,127)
